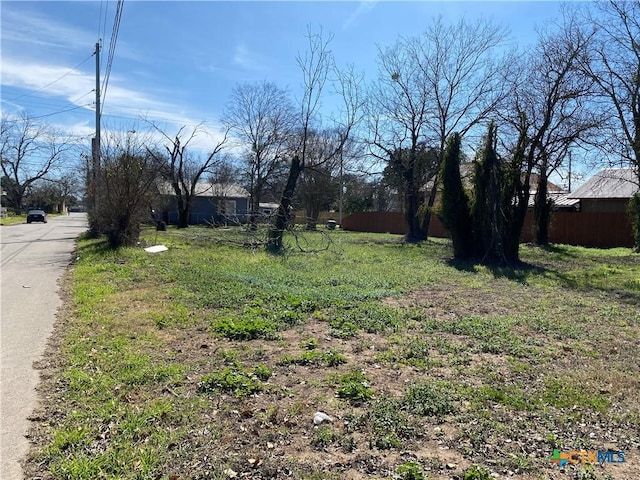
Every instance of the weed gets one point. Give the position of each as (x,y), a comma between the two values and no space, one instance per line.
(372,317)
(476,472)
(235,380)
(348,443)
(323,436)
(330,358)
(344,328)
(511,396)
(310,344)
(417,353)
(428,400)
(262,372)
(410,471)
(354,386)
(245,328)
(562,393)
(385,424)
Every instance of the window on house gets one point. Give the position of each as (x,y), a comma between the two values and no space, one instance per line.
(228,207)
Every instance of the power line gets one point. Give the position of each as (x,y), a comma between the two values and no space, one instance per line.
(50,103)
(76,107)
(112,49)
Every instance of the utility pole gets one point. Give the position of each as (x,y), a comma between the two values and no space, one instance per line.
(341,194)
(569,171)
(95,143)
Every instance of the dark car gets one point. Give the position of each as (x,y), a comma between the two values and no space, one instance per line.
(36,216)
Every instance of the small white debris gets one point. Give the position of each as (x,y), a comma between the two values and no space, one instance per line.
(156,249)
(230,473)
(321,417)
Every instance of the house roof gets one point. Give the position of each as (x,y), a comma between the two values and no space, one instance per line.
(207,189)
(560,199)
(609,183)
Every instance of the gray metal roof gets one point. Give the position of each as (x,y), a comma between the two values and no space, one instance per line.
(560,199)
(609,183)
(206,189)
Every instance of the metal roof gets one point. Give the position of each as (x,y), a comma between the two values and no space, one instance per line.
(560,199)
(206,189)
(609,183)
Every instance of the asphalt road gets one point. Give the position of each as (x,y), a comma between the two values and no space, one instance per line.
(33,257)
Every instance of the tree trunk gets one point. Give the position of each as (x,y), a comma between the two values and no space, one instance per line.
(634,215)
(283,216)
(254,214)
(184,211)
(312,213)
(413,214)
(426,217)
(542,211)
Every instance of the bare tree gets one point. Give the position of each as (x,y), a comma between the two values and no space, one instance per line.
(29,151)
(316,65)
(182,169)
(53,194)
(552,105)
(260,116)
(125,187)
(615,67)
(449,79)
(317,187)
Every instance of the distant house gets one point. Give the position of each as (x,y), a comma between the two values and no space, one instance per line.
(267,209)
(607,191)
(213,203)
(562,201)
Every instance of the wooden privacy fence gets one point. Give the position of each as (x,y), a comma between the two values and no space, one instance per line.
(588,229)
(387,222)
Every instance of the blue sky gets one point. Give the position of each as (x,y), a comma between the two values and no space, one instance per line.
(177,62)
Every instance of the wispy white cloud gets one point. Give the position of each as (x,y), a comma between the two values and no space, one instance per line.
(40,46)
(248,59)
(77,88)
(27,28)
(363,8)
(46,79)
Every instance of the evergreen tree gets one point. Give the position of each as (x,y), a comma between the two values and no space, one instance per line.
(515,199)
(454,205)
(490,225)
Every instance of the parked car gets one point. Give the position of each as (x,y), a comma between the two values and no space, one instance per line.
(36,216)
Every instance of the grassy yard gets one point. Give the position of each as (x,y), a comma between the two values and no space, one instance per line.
(209,361)
(17,219)
(13,219)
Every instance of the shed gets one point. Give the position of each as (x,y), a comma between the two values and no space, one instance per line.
(608,190)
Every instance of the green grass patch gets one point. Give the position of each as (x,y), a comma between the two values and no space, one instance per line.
(427,399)
(330,358)
(236,380)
